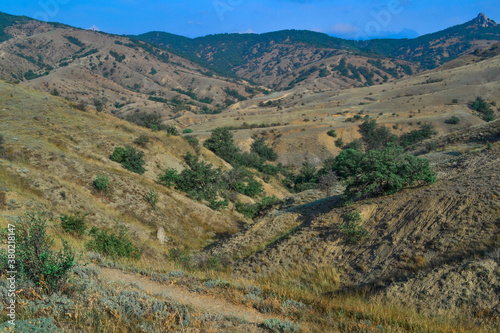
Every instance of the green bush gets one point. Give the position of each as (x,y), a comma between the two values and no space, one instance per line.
(481,106)
(383,171)
(248,210)
(102,183)
(129,158)
(170,129)
(339,143)
(257,208)
(415,136)
(260,147)
(332,133)
(354,144)
(192,141)
(352,229)
(376,136)
(152,198)
(453,120)
(169,177)
(115,245)
(187,130)
(221,143)
(74,224)
(36,261)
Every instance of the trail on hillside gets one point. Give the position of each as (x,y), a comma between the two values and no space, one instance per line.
(201,303)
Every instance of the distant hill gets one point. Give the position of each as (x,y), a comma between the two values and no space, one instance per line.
(111,72)
(435,49)
(285,58)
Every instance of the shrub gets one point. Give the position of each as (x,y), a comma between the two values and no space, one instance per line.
(354,144)
(454,101)
(169,177)
(248,210)
(36,261)
(376,136)
(453,120)
(115,245)
(352,228)
(481,106)
(38,325)
(383,171)
(170,129)
(102,183)
(152,198)
(142,140)
(258,208)
(74,224)
(129,158)
(339,143)
(192,141)
(332,133)
(187,130)
(54,92)
(221,143)
(278,325)
(425,132)
(260,147)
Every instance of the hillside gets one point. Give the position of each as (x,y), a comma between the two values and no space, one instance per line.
(289,266)
(296,123)
(226,208)
(110,72)
(442,235)
(283,59)
(435,49)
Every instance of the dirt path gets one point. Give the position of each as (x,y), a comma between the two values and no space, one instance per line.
(181,295)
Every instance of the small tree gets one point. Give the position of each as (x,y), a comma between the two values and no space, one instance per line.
(383,171)
(102,183)
(353,229)
(260,147)
(453,120)
(74,224)
(129,158)
(332,133)
(36,261)
(222,144)
(327,182)
(113,244)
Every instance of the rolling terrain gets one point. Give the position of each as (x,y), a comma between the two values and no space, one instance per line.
(216,241)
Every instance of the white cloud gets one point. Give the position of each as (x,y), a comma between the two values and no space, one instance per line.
(94,28)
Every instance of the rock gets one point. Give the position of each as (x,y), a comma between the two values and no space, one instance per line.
(160,234)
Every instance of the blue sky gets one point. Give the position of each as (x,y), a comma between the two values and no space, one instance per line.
(355,19)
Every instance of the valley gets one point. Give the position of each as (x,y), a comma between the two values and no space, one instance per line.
(281,182)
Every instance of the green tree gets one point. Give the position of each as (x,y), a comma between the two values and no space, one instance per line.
(383,171)
(222,144)
(129,158)
(260,147)
(352,228)
(36,261)
(375,136)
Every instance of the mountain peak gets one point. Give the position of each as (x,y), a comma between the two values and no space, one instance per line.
(483,21)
